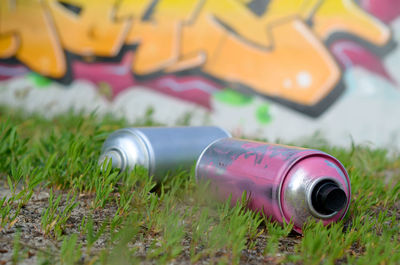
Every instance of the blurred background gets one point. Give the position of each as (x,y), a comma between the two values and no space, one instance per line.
(282,70)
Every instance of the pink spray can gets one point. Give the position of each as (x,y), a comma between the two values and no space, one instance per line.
(283,182)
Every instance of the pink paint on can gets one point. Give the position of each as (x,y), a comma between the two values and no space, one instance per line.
(285,183)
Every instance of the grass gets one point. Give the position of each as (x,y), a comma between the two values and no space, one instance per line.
(59,206)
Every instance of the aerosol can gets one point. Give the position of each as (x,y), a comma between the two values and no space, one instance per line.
(159,149)
(284,183)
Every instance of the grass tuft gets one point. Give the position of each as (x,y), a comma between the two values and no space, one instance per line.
(57,205)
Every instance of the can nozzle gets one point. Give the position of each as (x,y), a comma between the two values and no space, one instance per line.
(328,197)
(115,157)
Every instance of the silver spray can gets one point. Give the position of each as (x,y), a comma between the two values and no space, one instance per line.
(284,183)
(159,149)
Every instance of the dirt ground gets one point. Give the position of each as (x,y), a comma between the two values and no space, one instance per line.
(34,244)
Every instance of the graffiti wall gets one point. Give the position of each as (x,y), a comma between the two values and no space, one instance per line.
(300,57)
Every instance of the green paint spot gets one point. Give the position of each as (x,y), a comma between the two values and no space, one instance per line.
(38,80)
(232,97)
(262,114)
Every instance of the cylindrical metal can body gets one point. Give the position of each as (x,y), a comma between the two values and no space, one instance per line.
(159,149)
(284,183)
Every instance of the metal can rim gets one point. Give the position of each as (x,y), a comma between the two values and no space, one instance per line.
(298,160)
(145,142)
(202,154)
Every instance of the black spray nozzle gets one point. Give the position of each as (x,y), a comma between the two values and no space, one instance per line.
(328,197)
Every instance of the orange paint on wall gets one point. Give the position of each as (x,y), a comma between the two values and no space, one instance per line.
(269,69)
(346,16)
(38,45)
(159,38)
(275,53)
(297,69)
(131,9)
(329,17)
(92,31)
(9,45)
